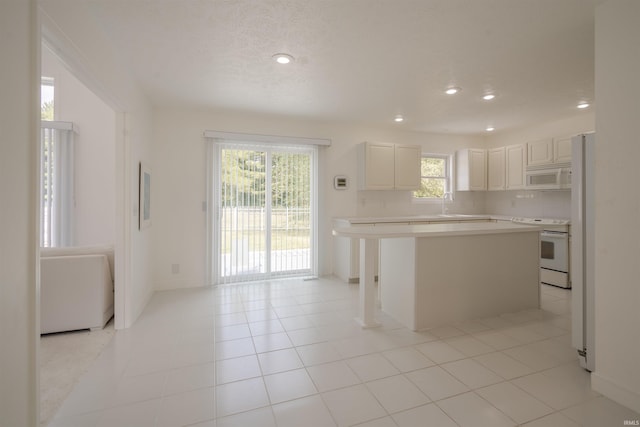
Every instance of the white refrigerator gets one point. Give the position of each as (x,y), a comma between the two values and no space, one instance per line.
(582,248)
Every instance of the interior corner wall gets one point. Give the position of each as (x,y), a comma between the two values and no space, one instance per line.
(19,267)
(73,32)
(617,203)
(94,154)
(179,175)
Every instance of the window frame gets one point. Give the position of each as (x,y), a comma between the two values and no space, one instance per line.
(216,142)
(448,178)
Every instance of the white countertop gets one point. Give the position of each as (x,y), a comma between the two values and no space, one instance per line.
(414,218)
(432,230)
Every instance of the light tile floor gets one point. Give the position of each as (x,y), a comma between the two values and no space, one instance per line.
(288,353)
(64,358)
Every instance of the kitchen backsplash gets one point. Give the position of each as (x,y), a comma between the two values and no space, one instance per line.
(543,204)
(401,203)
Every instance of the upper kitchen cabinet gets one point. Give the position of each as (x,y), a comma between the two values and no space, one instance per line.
(505,167)
(471,169)
(562,150)
(515,165)
(496,169)
(540,152)
(549,151)
(384,166)
(376,168)
(407,166)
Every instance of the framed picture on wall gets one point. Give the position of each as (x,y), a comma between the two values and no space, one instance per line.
(145,197)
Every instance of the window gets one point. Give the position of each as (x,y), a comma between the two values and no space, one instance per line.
(436,176)
(262,206)
(56,184)
(266,224)
(47,91)
(57,189)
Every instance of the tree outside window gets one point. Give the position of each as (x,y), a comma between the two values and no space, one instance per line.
(46,99)
(435,177)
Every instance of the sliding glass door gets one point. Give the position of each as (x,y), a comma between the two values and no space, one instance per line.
(265,221)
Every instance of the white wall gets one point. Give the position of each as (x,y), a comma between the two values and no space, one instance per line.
(75,37)
(617,271)
(19,281)
(545,204)
(95,167)
(179,181)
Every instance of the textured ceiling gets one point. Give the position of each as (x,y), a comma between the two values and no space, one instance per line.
(362,60)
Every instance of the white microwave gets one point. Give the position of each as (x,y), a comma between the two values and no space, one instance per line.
(548,179)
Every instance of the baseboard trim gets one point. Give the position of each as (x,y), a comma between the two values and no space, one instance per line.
(615,392)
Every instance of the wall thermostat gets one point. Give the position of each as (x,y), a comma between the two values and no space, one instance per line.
(340,182)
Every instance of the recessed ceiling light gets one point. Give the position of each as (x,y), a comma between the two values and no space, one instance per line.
(452,90)
(398,118)
(583,104)
(488,97)
(283,58)
(490,129)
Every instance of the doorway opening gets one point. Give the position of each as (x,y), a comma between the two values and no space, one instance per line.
(78,202)
(265,222)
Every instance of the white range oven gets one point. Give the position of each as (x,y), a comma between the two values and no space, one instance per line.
(554,250)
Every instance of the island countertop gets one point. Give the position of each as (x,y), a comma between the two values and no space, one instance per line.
(431,230)
(415,218)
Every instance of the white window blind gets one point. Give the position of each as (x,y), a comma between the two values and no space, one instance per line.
(56,183)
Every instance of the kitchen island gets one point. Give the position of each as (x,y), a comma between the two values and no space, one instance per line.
(436,274)
(346,251)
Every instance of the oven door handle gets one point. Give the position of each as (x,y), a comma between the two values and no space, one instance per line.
(554,235)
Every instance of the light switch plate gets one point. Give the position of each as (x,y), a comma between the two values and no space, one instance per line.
(340,182)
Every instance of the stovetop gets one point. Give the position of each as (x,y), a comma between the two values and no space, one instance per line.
(541,221)
(547,224)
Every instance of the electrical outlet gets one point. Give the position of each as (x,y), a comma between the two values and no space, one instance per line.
(175,268)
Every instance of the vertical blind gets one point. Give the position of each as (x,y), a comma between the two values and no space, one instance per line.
(265,221)
(262,206)
(242,213)
(56,183)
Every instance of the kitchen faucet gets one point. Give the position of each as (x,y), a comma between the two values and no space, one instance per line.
(447,195)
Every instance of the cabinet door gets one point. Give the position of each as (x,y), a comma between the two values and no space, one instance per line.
(407,167)
(378,166)
(478,172)
(471,170)
(562,150)
(540,152)
(496,169)
(515,166)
